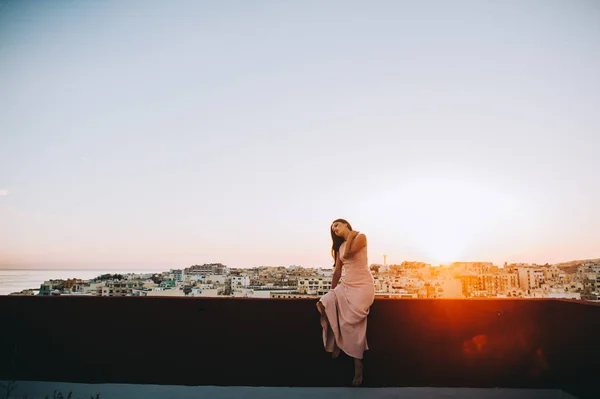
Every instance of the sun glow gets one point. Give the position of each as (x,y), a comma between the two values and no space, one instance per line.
(442,247)
(442,220)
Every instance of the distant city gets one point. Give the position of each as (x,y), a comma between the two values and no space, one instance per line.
(577,280)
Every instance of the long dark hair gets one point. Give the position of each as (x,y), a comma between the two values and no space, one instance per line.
(337,241)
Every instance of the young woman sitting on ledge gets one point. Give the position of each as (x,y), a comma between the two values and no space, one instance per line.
(345,308)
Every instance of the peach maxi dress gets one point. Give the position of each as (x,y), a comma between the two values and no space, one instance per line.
(347,306)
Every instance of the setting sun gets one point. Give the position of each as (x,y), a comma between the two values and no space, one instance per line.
(448,218)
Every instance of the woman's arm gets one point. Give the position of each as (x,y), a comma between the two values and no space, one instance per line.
(354,245)
(337,273)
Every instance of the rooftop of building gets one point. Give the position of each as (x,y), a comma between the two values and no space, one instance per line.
(429,348)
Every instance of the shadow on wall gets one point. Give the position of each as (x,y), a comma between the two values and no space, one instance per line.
(277,342)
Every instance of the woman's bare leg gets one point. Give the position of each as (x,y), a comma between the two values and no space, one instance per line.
(321,308)
(358,372)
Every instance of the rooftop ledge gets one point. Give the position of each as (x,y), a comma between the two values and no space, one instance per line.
(540,344)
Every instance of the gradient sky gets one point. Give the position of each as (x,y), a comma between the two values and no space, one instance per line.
(170,133)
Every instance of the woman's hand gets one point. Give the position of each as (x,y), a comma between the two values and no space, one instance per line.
(354,243)
(352,235)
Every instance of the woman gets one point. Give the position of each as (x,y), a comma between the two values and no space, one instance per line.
(344,309)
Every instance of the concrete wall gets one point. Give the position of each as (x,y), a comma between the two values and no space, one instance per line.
(277,342)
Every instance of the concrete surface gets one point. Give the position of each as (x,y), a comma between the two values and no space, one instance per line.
(39,390)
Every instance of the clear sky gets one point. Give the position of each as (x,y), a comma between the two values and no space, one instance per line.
(170,133)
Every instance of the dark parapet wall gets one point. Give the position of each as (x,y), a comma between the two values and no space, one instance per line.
(573,342)
(272,342)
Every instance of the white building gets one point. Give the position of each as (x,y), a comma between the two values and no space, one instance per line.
(205,292)
(240,281)
(325,272)
(561,293)
(242,293)
(209,278)
(285,295)
(314,285)
(381,267)
(159,291)
(529,278)
(451,288)
(178,275)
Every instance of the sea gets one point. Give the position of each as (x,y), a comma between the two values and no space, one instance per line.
(12,280)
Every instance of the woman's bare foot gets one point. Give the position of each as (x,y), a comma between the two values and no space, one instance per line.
(358,373)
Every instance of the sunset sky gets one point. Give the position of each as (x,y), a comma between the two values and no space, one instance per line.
(138,134)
